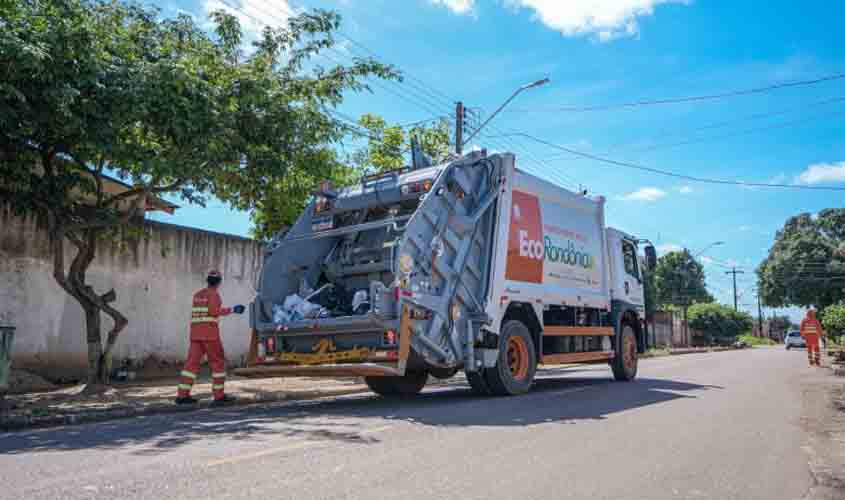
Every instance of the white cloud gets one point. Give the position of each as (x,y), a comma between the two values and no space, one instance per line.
(706,260)
(456,6)
(685,190)
(644,194)
(605,19)
(823,172)
(669,247)
(744,228)
(253,15)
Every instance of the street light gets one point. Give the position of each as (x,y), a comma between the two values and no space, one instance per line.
(538,83)
(687,262)
(708,247)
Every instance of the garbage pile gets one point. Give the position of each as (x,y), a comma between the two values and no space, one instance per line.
(296,307)
(299,306)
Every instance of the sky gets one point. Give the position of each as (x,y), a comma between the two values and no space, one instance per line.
(602,53)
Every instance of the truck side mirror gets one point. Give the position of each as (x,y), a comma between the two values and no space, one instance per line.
(650,257)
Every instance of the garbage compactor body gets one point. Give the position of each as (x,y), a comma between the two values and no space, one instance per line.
(428,271)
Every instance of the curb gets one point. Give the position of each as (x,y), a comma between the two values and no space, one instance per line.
(677,352)
(23,422)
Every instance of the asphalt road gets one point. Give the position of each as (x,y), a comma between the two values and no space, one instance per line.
(721,426)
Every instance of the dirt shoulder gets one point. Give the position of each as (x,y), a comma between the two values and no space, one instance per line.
(71,405)
(823,396)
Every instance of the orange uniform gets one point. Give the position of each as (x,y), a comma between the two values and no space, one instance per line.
(811,330)
(206,310)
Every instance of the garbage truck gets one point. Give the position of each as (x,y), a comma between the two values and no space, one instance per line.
(472,265)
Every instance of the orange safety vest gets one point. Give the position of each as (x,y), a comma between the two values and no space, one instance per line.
(206,310)
(811,328)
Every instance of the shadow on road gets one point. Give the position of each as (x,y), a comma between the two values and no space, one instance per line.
(552,400)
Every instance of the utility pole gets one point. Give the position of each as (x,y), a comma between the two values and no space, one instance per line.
(760,312)
(459,128)
(735,272)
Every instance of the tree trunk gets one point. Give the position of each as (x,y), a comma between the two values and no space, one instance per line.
(73,281)
(95,344)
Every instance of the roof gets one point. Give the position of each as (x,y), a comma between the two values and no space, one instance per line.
(154,203)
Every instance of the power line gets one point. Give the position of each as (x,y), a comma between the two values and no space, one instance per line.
(739,133)
(677,100)
(677,175)
(416,99)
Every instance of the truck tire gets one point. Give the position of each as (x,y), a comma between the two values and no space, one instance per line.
(625,361)
(408,385)
(478,384)
(517,364)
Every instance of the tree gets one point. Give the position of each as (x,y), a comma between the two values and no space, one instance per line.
(387,148)
(717,320)
(388,145)
(806,265)
(833,320)
(91,88)
(679,280)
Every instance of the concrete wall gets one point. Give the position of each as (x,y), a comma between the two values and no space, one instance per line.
(154,280)
(669,329)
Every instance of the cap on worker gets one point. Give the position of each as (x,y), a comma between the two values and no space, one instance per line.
(214,273)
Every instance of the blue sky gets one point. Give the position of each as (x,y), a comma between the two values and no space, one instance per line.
(606,52)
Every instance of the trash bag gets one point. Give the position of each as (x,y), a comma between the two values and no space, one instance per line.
(296,308)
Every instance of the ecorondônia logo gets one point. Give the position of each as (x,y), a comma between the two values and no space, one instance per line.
(547,250)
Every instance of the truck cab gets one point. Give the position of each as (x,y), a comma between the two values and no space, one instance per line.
(626,273)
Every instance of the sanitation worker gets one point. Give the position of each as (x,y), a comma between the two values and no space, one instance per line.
(811,330)
(206,311)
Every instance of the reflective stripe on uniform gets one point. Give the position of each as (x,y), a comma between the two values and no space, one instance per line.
(217,387)
(186,387)
(186,373)
(218,375)
(199,309)
(207,319)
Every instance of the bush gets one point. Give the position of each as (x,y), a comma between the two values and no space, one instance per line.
(833,320)
(717,320)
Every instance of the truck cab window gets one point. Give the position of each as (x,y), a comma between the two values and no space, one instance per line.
(630,256)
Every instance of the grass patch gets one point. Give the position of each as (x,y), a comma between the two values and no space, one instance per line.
(755,341)
(655,353)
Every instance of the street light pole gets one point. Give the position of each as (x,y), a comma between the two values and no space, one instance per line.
(511,98)
(689,260)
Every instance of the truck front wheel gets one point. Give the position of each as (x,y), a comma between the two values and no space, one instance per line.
(625,360)
(408,385)
(517,364)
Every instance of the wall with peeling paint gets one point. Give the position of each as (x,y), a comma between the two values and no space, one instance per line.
(154,279)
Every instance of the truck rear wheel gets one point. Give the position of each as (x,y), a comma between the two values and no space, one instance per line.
(625,361)
(408,385)
(517,364)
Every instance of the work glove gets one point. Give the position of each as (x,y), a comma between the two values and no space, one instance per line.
(239,309)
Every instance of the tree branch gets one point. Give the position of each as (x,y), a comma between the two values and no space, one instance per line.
(144,190)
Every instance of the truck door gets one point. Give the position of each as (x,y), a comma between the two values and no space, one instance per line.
(632,279)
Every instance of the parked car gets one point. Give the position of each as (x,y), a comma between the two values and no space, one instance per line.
(794,339)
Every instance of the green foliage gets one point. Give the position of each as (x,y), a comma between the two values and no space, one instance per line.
(679,280)
(90,87)
(389,145)
(806,263)
(833,320)
(717,320)
(756,341)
